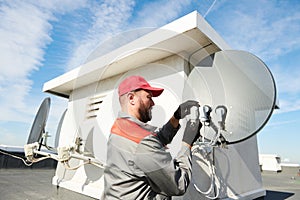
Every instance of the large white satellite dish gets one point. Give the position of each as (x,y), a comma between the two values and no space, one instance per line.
(236,84)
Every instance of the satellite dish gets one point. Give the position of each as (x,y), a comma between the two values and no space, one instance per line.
(59,129)
(237,84)
(39,123)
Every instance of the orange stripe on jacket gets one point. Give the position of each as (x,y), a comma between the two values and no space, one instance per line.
(130,130)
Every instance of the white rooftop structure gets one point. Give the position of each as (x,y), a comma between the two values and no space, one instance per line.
(182,37)
(164,57)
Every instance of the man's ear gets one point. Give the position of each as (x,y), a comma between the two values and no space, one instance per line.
(131,98)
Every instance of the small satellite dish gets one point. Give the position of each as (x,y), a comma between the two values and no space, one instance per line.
(237,84)
(39,123)
(59,128)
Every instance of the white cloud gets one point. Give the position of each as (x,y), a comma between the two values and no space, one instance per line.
(114,17)
(25,32)
(158,13)
(286,73)
(268,28)
(108,18)
(287,78)
(23,38)
(281,123)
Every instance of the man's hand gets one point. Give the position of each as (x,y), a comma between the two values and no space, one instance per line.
(184,109)
(191,132)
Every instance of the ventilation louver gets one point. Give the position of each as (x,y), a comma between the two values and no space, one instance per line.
(94,106)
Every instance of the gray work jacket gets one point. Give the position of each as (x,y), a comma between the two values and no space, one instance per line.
(138,165)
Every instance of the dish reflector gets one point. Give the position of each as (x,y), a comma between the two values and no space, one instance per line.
(59,129)
(39,123)
(240,83)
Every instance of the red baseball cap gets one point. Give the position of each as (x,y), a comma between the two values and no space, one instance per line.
(137,82)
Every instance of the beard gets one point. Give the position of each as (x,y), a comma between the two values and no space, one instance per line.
(145,113)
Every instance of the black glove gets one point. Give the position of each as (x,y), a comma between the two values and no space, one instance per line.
(191,132)
(185,108)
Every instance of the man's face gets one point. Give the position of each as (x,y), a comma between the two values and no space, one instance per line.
(144,105)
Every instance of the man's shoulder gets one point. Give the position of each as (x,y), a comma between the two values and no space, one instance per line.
(130,130)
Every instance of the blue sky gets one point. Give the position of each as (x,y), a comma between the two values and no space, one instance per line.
(41,40)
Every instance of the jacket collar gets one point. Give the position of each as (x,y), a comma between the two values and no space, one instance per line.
(146,126)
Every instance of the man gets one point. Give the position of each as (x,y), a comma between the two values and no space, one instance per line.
(138,167)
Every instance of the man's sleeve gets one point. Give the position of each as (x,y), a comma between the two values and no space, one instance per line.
(166,175)
(166,133)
